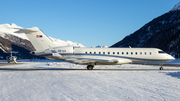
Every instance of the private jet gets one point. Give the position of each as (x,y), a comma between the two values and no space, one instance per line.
(92,56)
(11,58)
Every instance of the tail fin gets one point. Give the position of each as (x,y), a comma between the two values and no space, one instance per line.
(37,38)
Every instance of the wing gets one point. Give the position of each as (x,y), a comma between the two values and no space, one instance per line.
(105,61)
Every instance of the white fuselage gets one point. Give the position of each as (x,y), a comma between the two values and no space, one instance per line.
(118,55)
(134,54)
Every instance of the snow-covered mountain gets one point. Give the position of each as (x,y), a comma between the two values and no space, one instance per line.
(162,32)
(10,41)
(66,43)
(11,28)
(176,7)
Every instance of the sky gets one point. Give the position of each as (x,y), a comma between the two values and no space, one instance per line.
(89,22)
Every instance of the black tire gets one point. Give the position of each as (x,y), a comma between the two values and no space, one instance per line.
(90,67)
(161,68)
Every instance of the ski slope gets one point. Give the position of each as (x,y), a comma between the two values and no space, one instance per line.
(57,83)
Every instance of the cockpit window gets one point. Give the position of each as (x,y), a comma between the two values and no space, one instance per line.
(161,52)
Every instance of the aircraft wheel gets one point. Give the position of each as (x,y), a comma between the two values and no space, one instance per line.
(161,68)
(90,67)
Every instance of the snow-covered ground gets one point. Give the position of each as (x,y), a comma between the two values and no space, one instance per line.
(57,83)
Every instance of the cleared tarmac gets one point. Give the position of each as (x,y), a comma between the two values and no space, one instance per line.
(173,65)
(65,69)
(74,69)
(6,64)
(61,69)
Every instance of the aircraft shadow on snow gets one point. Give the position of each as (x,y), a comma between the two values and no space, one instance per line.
(174,74)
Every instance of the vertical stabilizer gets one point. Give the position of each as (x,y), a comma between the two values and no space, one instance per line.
(37,38)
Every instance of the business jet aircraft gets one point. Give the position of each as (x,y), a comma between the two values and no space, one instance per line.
(11,58)
(92,56)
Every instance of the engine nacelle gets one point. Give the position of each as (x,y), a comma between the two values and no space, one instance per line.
(51,51)
(37,52)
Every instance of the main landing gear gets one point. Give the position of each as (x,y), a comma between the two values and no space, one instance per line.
(90,67)
(161,68)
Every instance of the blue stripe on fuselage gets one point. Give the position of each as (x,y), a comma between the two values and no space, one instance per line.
(131,58)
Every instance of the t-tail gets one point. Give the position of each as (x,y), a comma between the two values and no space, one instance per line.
(37,38)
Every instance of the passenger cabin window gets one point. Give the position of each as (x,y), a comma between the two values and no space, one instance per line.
(126,53)
(86,52)
(131,53)
(99,52)
(140,53)
(113,52)
(94,52)
(149,53)
(103,52)
(122,53)
(136,53)
(118,53)
(90,53)
(145,53)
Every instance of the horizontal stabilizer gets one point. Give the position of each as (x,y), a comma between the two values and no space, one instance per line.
(27,31)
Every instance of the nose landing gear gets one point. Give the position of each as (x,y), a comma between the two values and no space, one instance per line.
(161,68)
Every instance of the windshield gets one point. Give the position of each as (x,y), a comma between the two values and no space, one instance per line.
(161,52)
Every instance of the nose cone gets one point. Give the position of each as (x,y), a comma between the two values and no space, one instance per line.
(171,58)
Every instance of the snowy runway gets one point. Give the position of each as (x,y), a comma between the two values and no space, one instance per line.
(58,84)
